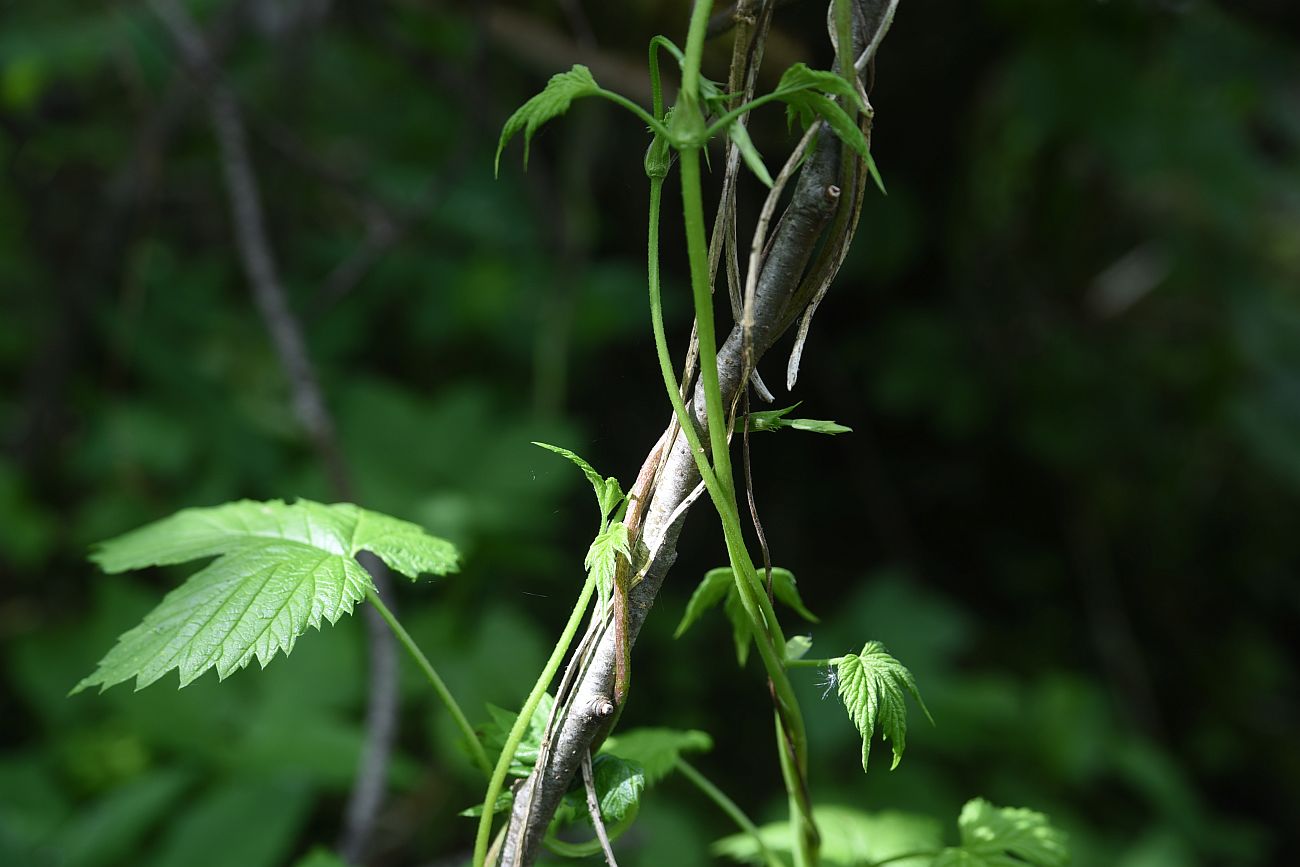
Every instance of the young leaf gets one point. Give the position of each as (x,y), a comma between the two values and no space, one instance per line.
(850,838)
(280,568)
(553,101)
(800,78)
(608,492)
(797,647)
(709,593)
(719,584)
(775,419)
(871,685)
(656,750)
(602,558)
(1004,837)
(749,153)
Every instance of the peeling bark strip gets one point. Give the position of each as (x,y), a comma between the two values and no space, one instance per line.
(782,294)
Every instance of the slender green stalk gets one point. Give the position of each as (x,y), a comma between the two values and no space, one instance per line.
(439,687)
(637,110)
(695,48)
(525,715)
(697,253)
(729,807)
(591,847)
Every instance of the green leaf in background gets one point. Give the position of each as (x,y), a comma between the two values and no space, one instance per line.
(608,492)
(719,583)
(602,559)
(1004,837)
(656,750)
(871,685)
(775,419)
(280,569)
(494,734)
(850,838)
(320,857)
(553,101)
(249,822)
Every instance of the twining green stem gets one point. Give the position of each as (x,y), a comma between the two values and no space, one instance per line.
(525,715)
(698,254)
(439,687)
(695,48)
(729,807)
(566,849)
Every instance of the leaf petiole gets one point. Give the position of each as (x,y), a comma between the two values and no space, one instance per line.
(431,674)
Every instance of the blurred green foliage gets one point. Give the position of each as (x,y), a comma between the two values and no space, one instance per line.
(1068,343)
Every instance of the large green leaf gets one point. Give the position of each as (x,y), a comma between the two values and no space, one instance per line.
(280,569)
(850,838)
(1004,837)
(656,750)
(872,685)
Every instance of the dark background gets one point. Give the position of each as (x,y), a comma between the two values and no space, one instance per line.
(1068,343)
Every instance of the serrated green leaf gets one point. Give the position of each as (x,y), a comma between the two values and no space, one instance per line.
(850,838)
(1004,837)
(740,136)
(797,647)
(497,729)
(602,558)
(553,101)
(871,685)
(718,584)
(608,492)
(619,784)
(656,750)
(280,569)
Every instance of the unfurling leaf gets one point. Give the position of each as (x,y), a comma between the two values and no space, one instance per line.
(280,568)
(719,584)
(553,101)
(608,492)
(871,685)
(602,559)
(656,750)
(775,419)
(849,838)
(1004,837)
